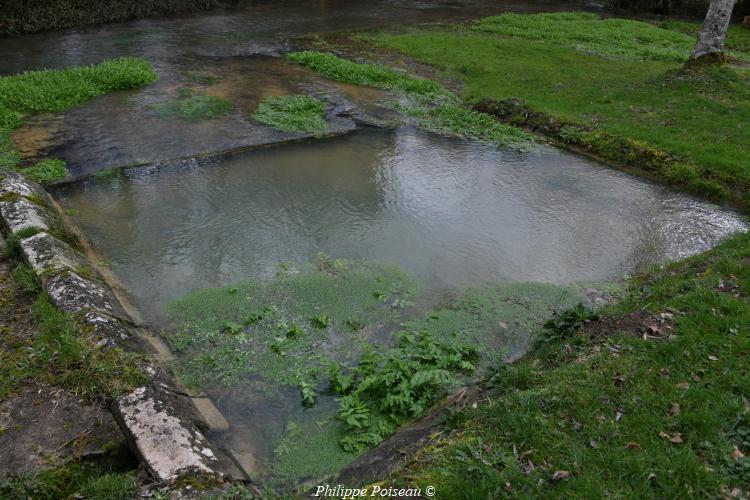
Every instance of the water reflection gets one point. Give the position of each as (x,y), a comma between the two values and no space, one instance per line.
(450,212)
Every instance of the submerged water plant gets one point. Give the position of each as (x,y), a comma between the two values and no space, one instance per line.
(293,113)
(193,107)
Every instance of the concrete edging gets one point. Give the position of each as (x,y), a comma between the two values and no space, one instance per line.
(162,422)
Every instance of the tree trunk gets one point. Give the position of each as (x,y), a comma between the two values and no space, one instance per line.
(710,43)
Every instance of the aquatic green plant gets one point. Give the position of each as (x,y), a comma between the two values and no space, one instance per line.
(193,107)
(264,328)
(295,113)
(387,388)
(589,33)
(567,322)
(47,171)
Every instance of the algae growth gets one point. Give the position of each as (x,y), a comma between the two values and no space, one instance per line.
(344,340)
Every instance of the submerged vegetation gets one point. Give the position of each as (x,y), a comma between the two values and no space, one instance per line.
(346,329)
(50,91)
(612,87)
(192,107)
(294,113)
(428,103)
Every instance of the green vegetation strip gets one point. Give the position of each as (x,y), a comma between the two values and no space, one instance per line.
(294,113)
(614,409)
(63,353)
(50,91)
(617,85)
(432,106)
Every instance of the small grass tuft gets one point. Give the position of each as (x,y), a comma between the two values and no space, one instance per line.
(47,171)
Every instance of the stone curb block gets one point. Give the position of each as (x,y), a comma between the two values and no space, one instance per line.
(169,446)
(21,213)
(73,294)
(48,256)
(13,183)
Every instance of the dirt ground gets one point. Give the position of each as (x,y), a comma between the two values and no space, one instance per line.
(44,426)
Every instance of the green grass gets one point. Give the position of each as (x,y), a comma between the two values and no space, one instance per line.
(47,171)
(194,107)
(612,38)
(594,404)
(64,354)
(71,481)
(700,117)
(428,103)
(50,91)
(294,113)
(364,74)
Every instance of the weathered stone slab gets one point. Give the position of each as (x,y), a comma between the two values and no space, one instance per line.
(108,331)
(48,256)
(13,183)
(73,294)
(20,213)
(162,436)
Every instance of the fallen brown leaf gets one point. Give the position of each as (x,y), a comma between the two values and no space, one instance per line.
(663,435)
(683,385)
(737,454)
(633,445)
(676,439)
(560,475)
(675,409)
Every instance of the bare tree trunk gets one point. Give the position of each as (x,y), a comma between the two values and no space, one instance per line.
(710,43)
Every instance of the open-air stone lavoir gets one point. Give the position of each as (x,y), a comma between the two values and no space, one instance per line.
(159,419)
(442,249)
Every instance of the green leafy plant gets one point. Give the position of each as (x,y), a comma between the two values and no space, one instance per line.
(387,388)
(321,321)
(565,323)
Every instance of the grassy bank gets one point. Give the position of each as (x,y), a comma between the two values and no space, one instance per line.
(649,397)
(616,87)
(650,400)
(51,91)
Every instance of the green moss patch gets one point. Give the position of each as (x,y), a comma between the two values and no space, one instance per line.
(295,113)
